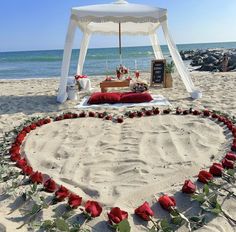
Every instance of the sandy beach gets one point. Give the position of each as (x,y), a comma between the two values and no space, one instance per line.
(120,164)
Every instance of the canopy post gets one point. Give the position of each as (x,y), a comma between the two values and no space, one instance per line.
(120,52)
(62,94)
(156,46)
(179,63)
(83,52)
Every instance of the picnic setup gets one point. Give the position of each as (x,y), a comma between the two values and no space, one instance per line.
(123,18)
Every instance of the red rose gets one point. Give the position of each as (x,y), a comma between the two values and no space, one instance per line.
(47,120)
(204,176)
(22,132)
(27,170)
(21,163)
(166,111)
(27,129)
(120,120)
(74,115)
(196,112)
(228,163)
(108,117)
(40,122)
(206,113)
(178,111)
(233,147)
(140,114)
(222,119)
(185,112)
(188,187)
(62,193)
(15,157)
(144,211)
(74,201)
(229,125)
(233,129)
(82,115)
(92,114)
(101,115)
(15,149)
(230,156)
(148,112)
(36,177)
(33,126)
(117,215)
(216,169)
(67,116)
(93,208)
(156,111)
(167,202)
(214,115)
(20,138)
(132,114)
(59,118)
(50,185)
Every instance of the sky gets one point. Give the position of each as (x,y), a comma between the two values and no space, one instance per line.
(42,24)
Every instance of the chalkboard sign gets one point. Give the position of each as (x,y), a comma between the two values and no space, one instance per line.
(157,72)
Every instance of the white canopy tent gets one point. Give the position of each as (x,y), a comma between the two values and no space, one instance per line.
(135,19)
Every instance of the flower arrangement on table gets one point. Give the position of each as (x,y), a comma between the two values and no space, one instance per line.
(216,181)
(78,78)
(121,71)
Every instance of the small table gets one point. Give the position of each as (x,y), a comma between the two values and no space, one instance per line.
(113,83)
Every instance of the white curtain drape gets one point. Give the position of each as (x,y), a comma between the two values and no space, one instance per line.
(62,94)
(156,46)
(83,52)
(177,59)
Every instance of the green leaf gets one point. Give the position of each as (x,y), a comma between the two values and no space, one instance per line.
(68,214)
(177,220)
(205,208)
(165,226)
(61,225)
(206,189)
(231,172)
(153,229)
(75,227)
(216,211)
(35,209)
(195,219)
(47,224)
(124,226)
(213,199)
(34,187)
(174,213)
(199,197)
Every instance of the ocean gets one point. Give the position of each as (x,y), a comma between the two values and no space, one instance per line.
(99,61)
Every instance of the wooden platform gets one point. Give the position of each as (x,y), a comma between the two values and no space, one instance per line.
(114,83)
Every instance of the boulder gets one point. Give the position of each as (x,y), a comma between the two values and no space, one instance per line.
(210,59)
(209,68)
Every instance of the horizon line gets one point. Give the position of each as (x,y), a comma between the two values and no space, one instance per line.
(56,49)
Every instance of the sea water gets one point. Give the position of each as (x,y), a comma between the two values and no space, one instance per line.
(99,61)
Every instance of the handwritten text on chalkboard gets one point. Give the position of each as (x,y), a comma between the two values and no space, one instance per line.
(158,71)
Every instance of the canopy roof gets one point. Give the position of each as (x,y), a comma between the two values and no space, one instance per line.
(103,18)
(119,17)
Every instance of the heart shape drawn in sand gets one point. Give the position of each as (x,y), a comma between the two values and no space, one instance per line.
(110,162)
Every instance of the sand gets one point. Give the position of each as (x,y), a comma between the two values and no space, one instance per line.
(121,164)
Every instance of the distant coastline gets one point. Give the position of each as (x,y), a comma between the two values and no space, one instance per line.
(99,61)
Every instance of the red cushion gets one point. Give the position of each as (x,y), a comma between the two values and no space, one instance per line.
(132,97)
(101,98)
